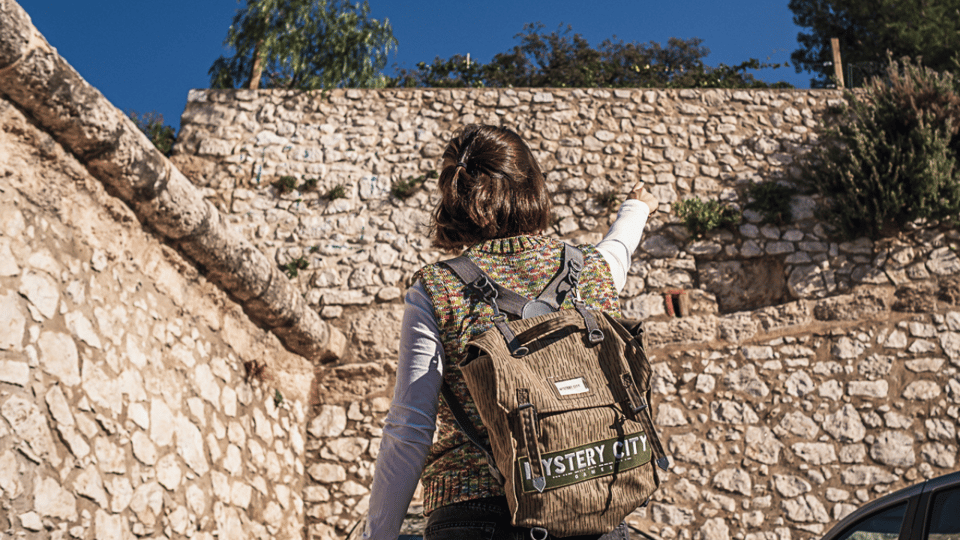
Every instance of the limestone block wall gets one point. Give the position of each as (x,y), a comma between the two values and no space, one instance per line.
(362,248)
(126,410)
(807,375)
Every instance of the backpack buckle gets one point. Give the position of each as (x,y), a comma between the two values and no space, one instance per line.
(485,288)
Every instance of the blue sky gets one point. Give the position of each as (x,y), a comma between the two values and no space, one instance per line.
(146,56)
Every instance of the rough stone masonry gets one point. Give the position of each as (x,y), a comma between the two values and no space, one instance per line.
(804,377)
(125,408)
(142,397)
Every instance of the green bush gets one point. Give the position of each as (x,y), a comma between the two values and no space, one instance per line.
(292,268)
(700,217)
(563,58)
(285,184)
(403,189)
(336,192)
(772,201)
(151,124)
(892,158)
(309,184)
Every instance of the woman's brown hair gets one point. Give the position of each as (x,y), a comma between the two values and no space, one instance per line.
(490,187)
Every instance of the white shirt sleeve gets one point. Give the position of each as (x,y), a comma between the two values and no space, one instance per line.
(409,427)
(622,239)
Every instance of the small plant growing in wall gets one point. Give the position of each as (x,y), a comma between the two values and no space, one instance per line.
(254,370)
(292,268)
(701,217)
(772,201)
(607,199)
(285,184)
(403,189)
(338,191)
(309,184)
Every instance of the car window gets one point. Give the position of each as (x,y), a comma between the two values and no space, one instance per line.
(945,515)
(883,525)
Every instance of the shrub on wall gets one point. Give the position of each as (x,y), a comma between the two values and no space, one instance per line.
(404,189)
(892,156)
(285,184)
(772,201)
(701,217)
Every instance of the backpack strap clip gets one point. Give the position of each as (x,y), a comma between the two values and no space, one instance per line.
(486,289)
(637,403)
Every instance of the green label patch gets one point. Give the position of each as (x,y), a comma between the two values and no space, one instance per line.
(575,465)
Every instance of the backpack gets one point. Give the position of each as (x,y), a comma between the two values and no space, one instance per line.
(564,395)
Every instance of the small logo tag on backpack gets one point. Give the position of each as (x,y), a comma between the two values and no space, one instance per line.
(571,387)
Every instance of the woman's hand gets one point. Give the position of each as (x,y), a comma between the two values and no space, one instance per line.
(641,194)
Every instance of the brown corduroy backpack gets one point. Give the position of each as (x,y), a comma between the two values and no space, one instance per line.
(564,395)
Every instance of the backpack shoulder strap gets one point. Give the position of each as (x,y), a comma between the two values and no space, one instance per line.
(472,275)
(566,278)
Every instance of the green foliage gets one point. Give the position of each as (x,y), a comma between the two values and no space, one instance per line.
(151,124)
(565,59)
(338,191)
(608,199)
(772,201)
(894,158)
(837,109)
(868,29)
(701,217)
(304,44)
(277,397)
(285,184)
(403,189)
(309,184)
(292,268)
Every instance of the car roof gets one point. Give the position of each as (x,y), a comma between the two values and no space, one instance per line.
(892,499)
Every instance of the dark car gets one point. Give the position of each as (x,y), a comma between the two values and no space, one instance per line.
(925,511)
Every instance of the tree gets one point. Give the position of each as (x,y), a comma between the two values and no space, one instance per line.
(869,29)
(304,44)
(565,59)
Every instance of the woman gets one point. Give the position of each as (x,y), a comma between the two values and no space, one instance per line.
(494,202)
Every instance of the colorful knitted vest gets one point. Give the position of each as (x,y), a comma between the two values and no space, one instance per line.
(455,470)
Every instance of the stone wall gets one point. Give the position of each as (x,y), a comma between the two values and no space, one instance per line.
(592,143)
(804,376)
(125,407)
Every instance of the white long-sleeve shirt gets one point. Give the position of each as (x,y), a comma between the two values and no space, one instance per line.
(409,427)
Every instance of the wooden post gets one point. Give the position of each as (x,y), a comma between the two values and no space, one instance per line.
(837,66)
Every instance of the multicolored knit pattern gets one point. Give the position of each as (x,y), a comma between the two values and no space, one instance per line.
(456,471)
